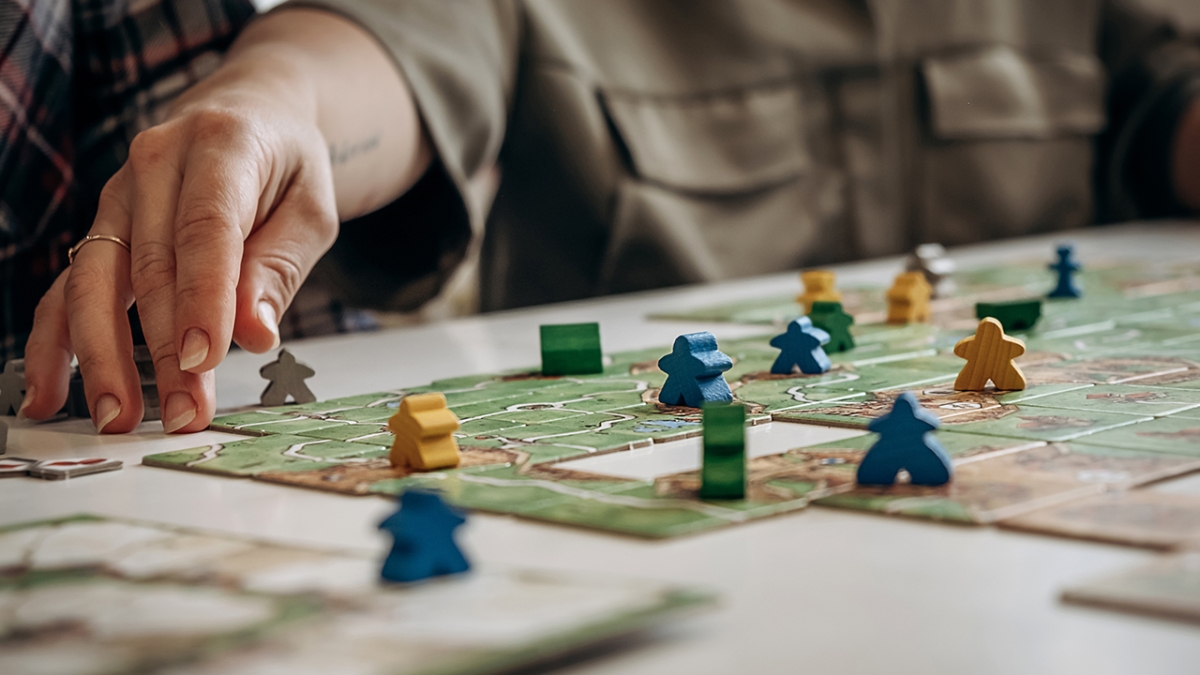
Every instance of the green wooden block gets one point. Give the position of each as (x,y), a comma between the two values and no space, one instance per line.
(831,318)
(1013,314)
(571,349)
(723,475)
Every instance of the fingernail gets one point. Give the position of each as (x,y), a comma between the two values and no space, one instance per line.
(195,349)
(267,315)
(107,409)
(29,394)
(179,411)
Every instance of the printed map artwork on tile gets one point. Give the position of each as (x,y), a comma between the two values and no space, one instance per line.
(98,596)
(1113,403)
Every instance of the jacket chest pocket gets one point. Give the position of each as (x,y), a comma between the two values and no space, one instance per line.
(714,144)
(999,93)
(1007,146)
(718,186)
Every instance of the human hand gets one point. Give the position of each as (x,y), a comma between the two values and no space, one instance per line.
(226,207)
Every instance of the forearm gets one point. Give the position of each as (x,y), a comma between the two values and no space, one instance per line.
(336,72)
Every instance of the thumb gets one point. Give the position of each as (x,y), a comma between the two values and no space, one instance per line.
(278,256)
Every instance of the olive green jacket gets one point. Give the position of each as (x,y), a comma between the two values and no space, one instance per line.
(645,143)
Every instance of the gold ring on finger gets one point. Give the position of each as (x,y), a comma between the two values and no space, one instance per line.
(90,238)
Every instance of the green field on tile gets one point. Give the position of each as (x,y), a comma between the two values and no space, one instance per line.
(1115,372)
(85,594)
(1128,399)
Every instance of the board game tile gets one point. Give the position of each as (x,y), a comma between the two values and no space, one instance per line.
(634,507)
(535,416)
(798,474)
(942,362)
(1036,391)
(957,407)
(1112,369)
(1165,587)
(488,426)
(497,489)
(377,415)
(1123,340)
(1143,518)
(298,426)
(995,487)
(754,506)
(599,439)
(232,421)
(1183,378)
(895,356)
(1044,424)
(278,453)
(1171,435)
(248,606)
(1114,468)
(1130,399)
(650,517)
(1189,414)
(473,409)
(1161,317)
(324,407)
(881,378)
(377,475)
(869,333)
(371,433)
(958,446)
(772,397)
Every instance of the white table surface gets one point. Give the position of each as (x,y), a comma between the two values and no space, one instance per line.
(820,591)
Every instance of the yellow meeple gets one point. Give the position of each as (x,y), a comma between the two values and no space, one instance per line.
(819,285)
(424,427)
(989,354)
(908,298)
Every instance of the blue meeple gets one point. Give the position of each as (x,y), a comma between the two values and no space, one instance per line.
(801,347)
(424,544)
(1066,266)
(693,370)
(905,442)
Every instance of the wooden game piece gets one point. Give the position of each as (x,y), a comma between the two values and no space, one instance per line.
(693,370)
(1066,267)
(931,260)
(424,427)
(12,386)
(423,533)
(1012,315)
(62,469)
(905,442)
(152,410)
(12,467)
(800,349)
(723,474)
(989,354)
(831,318)
(908,298)
(818,285)
(77,405)
(287,378)
(571,349)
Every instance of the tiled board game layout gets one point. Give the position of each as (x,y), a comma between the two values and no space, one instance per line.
(93,595)
(1113,403)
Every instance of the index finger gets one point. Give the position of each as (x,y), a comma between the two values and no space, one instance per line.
(218,200)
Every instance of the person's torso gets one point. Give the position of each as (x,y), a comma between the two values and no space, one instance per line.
(674,141)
